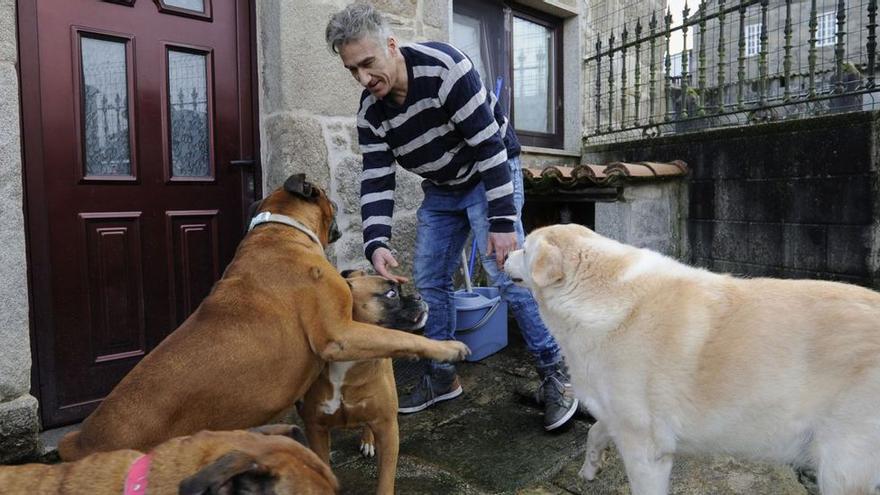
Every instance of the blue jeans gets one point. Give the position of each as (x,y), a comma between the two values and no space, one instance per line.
(444,220)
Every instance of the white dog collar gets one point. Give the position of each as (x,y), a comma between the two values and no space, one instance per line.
(269,217)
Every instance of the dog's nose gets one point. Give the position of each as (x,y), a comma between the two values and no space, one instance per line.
(417,296)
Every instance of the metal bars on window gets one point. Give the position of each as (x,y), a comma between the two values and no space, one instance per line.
(729,62)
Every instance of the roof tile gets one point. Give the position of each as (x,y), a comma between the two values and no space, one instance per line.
(590,176)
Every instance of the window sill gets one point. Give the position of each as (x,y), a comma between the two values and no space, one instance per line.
(535,150)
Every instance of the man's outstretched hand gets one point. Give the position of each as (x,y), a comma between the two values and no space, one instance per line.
(501,243)
(383,262)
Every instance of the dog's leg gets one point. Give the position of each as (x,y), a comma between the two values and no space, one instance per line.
(597,441)
(387,447)
(647,468)
(358,341)
(319,441)
(368,444)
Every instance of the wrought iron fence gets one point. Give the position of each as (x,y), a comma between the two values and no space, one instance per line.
(739,62)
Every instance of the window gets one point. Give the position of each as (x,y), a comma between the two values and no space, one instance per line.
(753,39)
(518,52)
(826,29)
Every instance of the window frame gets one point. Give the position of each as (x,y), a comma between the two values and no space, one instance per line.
(555,139)
(504,63)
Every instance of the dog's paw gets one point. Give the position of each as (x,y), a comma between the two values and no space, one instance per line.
(592,465)
(453,350)
(588,472)
(368,449)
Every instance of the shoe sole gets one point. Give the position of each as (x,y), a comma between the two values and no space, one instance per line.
(564,419)
(440,398)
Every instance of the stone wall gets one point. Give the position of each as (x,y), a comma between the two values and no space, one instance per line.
(18,409)
(651,215)
(308,103)
(794,199)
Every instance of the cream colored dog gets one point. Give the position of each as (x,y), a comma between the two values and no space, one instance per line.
(672,358)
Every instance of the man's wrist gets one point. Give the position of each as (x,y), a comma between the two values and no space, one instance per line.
(501,226)
(368,252)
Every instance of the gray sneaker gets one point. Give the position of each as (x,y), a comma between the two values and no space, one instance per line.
(556,394)
(438,384)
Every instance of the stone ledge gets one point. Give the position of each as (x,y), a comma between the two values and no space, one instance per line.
(19,429)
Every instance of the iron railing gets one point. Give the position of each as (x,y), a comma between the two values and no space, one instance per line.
(742,62)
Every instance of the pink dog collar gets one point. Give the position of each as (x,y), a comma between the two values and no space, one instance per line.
(136,480)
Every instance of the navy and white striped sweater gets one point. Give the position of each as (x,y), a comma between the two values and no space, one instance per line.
(449,130)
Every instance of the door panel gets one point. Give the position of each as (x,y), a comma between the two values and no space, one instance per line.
(133,112)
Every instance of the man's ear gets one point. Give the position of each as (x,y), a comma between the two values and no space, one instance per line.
(546,265)
(392,45)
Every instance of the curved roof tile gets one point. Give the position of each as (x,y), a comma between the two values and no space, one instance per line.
(590,176)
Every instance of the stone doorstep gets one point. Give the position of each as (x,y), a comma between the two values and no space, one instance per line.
(19,426)
(49,442)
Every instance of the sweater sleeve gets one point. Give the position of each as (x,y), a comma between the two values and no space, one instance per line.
(465,98)
(377,182)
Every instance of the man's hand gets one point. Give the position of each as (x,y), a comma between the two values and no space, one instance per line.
(383,261)
(501,243)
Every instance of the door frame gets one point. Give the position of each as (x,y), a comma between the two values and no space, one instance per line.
(36,221)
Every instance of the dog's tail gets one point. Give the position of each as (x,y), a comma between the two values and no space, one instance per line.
(69,448)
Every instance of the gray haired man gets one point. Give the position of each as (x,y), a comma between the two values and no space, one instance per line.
(425,108)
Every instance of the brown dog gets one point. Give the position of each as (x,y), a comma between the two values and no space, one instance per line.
(363,393)
(264,460)
(256,343)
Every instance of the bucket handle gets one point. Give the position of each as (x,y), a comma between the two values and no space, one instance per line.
(484,319)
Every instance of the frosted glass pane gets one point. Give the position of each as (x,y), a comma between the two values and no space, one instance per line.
(187,84)
(105,97)
(533,76)
(197,5)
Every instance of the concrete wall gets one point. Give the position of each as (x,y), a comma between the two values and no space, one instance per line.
(651,215)
(794,199)
(18,409)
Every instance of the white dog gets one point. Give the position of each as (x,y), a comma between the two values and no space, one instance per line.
(671,358)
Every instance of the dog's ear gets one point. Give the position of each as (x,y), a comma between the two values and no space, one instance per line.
(292,431)
(235,472)
(546,265)
(254,207)
(297,185)
(353,273)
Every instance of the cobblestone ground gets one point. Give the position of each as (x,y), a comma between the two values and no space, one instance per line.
(490,440)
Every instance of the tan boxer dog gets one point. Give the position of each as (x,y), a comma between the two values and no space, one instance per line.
(256,343)
(363,393)
(264,460)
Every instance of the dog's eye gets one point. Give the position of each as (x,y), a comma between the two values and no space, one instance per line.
(391,294)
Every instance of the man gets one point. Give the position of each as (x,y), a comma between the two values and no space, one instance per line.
(425,108)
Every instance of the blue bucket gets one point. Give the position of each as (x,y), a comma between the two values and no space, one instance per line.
(481,321)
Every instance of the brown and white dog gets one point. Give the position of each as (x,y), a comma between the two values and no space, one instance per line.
(255,344)
(264,460)
(671,358)
(363,393)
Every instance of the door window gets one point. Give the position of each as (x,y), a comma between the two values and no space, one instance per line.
(105,100)
(195,5)
(188,111)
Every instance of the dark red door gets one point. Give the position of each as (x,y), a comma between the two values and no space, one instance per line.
(137,119)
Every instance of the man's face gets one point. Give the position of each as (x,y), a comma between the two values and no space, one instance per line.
(371,64)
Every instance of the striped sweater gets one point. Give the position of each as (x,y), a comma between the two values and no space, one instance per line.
(449,130)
